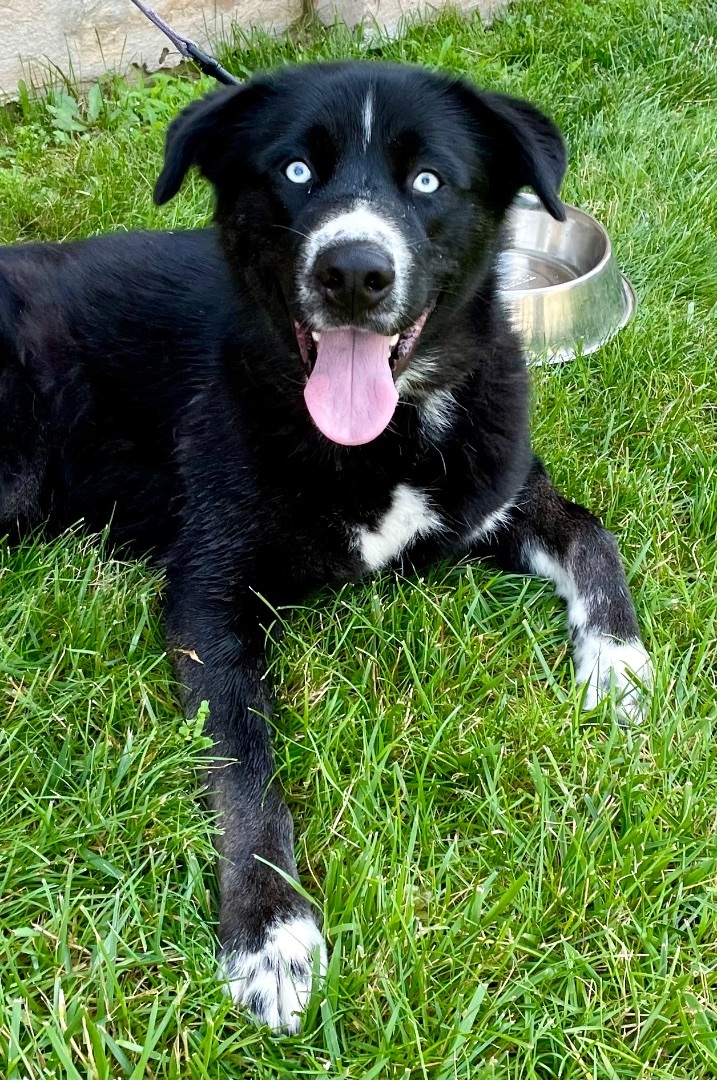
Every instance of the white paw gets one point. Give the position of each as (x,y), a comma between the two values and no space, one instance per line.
(275,982)
(624,666)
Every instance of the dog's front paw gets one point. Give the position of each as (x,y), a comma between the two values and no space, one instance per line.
(274,982)
(623,667)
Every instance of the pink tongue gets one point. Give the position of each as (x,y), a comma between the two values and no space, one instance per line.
(350,393)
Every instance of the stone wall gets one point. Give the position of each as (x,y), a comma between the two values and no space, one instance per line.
(87,37)
(388,13)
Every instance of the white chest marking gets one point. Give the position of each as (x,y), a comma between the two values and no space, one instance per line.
(367,119)
(409,517)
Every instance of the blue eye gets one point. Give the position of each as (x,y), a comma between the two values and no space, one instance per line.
(298,172)
(426,183)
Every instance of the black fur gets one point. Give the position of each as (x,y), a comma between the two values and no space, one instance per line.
(155,380)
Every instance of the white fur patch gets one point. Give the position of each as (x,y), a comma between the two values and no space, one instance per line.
(275,982)
(437,411)
(543,565)
(604,663)
(492,522)
(409,517)
(367,118)
(410,382)
(361,224)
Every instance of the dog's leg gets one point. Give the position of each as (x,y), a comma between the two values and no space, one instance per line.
(271,946)
(545,535)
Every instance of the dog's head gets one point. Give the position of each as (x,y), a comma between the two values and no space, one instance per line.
(372,196)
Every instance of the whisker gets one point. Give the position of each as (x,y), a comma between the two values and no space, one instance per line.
(288,228)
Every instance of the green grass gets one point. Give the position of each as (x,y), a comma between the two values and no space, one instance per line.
(511,889)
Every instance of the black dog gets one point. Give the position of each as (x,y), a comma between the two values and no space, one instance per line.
(324,386)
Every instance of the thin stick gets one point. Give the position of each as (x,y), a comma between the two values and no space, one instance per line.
(209,65)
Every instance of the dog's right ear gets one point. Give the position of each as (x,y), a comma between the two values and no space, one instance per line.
(200,133)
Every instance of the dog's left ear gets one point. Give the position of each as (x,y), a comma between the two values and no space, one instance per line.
(203,133)
(526,145)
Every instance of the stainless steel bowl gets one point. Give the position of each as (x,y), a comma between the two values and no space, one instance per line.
(562,286)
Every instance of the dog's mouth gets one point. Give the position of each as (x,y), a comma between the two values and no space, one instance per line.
(351,392)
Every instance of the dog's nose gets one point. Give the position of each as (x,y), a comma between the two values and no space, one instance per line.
(354,278)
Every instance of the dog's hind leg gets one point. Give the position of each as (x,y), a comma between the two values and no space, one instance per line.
(546,535)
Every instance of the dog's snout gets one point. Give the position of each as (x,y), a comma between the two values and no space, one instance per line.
(354,278)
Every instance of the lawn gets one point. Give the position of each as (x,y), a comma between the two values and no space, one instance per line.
(510,888)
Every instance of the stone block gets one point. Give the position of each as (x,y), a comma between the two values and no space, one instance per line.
(388,14)
(89,37)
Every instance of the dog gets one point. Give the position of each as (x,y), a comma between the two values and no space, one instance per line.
(322,385)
